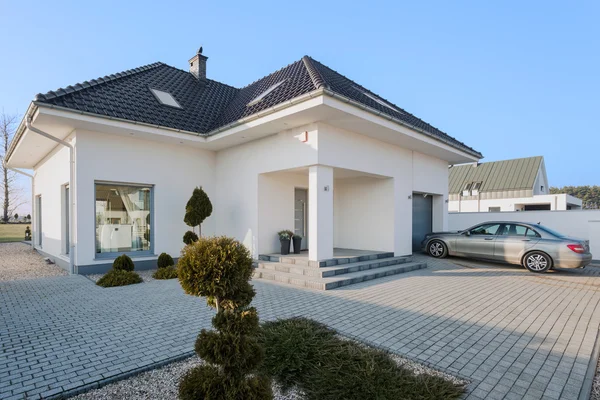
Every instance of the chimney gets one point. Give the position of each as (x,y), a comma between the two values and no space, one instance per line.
(198,65)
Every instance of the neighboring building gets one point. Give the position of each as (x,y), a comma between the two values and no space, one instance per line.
(303,148)
(510,185)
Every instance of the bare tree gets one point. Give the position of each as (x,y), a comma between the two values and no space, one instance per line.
(10,193)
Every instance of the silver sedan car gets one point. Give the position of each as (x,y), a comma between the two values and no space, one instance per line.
(533,246)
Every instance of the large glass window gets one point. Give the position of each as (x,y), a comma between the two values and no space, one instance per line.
(123,218)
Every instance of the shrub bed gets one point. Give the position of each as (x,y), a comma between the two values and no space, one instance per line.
(310,356)
(116,277)
(169,272)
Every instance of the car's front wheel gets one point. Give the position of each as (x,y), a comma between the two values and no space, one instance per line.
(437,249)
(536,261)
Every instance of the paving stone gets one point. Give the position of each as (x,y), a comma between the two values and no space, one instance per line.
(514,333)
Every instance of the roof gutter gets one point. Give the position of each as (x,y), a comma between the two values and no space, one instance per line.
(271,110)
(71,187)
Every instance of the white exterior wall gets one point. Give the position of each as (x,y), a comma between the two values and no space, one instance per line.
(410,171)
(276,206)
(174,171)
(237,196)
(362,210)
(556,201)
(584,224)
(50,177)
(249,183)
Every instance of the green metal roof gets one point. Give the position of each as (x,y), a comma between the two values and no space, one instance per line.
(516,174)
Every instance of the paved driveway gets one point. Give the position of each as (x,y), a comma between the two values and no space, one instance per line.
(514,334)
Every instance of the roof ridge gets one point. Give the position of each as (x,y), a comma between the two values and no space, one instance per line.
(314,73)
(94,82)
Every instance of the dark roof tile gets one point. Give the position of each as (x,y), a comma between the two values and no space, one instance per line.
(210,105)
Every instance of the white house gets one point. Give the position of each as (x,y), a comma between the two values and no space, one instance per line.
(303,148)
(509,185)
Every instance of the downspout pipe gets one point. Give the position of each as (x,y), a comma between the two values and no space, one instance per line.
(5,166)
(71,188)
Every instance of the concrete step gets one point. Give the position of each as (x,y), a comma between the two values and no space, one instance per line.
(338,280)
(291,259)
(325,272)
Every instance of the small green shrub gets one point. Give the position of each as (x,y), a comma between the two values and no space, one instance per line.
(190,237)
(123,263)
(169,272)
(116,277)
(165,260)
(205,382)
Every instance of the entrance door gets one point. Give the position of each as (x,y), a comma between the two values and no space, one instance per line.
(301,215)
(422,218)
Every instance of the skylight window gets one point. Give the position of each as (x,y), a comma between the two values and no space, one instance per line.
(377,100)
(265,93)
(165,98)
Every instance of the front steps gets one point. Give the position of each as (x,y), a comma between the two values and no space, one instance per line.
(333,273)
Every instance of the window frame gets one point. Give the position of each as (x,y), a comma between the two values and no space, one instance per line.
(157,97)
(132,254)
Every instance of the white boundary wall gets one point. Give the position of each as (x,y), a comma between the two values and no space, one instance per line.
(584,224)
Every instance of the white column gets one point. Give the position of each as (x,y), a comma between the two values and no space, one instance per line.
(320,213)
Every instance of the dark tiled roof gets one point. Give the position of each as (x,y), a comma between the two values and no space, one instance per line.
(127,96)
(209,105)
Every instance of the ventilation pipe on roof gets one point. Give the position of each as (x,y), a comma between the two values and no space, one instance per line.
(71,188)
(5,166)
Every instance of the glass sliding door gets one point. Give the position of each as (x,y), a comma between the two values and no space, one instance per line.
(123,219)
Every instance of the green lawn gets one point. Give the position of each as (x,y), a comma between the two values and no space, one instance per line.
(12,232)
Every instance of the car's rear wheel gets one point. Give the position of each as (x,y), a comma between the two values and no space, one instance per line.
(536,261)
(437,249)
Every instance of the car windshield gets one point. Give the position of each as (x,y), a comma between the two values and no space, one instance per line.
(550,231)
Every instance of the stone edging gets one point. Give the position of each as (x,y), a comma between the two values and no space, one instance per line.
(588,380)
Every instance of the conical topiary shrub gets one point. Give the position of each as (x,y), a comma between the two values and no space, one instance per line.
(197,209)
(219,269)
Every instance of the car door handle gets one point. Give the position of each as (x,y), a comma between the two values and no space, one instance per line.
(526,240)
(488,238)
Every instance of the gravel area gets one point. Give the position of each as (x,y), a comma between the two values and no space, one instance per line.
(145,274)
(163,382)
(159,383)
(17,261)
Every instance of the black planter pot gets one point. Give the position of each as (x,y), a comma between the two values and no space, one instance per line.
(285,246)
(297,244)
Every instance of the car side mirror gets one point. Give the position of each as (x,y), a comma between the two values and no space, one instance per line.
(468,233)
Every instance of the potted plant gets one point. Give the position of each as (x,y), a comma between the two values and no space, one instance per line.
(297,239)
(285,240)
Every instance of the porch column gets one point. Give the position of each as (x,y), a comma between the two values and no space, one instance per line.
(320,213)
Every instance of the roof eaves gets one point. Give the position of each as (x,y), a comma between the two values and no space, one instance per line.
(345,99)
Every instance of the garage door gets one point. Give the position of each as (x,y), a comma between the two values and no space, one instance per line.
(422,218)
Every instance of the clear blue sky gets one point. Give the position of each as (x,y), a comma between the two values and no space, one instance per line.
(511,78)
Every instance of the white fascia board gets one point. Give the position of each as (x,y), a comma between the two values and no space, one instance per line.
(271,114)
(379,118)
(116,124)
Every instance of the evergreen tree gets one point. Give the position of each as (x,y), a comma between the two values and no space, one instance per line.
(197,209)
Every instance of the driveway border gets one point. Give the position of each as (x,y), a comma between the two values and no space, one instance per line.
(588,381)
